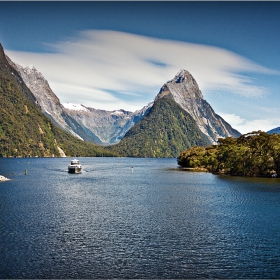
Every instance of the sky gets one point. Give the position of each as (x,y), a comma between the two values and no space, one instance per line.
(117,55)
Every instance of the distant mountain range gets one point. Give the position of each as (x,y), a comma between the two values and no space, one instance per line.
(89,124)
(179,117)
(108,126)
(274,130)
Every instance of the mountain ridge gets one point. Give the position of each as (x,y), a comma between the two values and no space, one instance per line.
(94,125)
(274,130)
(45,97)
(24,130)
(184,89)
(111,127)
(164,131)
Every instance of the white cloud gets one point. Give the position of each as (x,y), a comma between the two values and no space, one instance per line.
(246,126)
(113,70)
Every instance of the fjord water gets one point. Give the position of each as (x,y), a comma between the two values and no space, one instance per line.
(149,221)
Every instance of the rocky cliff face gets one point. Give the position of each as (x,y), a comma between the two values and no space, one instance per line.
(109,126)
(98,126)
(185,91)
(48,101)
(24,130)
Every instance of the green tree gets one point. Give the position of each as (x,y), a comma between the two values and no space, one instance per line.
(252,154)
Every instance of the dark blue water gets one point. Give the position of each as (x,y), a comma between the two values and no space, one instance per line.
(156,222)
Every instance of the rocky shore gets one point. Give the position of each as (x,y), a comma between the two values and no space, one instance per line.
(2,178)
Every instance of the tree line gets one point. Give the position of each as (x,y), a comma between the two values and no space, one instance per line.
(255,154)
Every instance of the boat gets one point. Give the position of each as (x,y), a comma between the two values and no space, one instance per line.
(75,166)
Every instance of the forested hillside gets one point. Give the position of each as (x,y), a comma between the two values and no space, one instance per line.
(24,130)
(165,131)
(253,154)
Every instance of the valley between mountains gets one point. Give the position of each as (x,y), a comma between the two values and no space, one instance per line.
(34,122)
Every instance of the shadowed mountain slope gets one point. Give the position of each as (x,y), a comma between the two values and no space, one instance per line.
(164,132)
(24,129)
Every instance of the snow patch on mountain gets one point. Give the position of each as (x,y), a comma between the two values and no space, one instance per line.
(75,107)
(109,127)
(118,113)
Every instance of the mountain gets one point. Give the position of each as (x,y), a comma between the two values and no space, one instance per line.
(165,131)
(109,126)
(24,129)
(185,91)
(180,118)
(274,130)
(50,104)
(89,124)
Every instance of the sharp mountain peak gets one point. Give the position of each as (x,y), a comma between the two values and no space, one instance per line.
(110,126)
(184,89)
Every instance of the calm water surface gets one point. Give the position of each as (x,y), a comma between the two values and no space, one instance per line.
(154,222)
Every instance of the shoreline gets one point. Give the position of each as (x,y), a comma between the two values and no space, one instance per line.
(194,169)
(3,178)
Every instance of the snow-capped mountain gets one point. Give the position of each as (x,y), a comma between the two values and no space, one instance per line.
(185,91)
(99,126)
(109,126)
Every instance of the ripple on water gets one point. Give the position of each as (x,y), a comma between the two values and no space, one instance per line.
(153,223)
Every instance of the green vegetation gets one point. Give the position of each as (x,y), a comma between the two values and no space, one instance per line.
(252,154)
(25,131)
(165,131)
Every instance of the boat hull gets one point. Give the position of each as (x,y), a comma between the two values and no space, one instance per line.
(74,170)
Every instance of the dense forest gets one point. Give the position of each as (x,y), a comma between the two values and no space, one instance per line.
(255,154)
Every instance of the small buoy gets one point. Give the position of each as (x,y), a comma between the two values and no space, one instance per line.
(25,172)
(132,169)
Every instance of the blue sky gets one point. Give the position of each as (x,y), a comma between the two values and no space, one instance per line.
(113,55)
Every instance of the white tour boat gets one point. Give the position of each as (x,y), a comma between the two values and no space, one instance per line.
(75,166)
